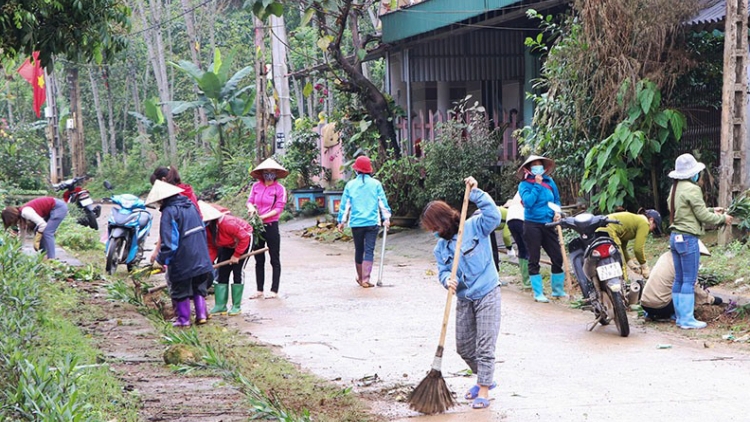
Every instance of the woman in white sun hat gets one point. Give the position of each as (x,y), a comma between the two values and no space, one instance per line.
(228,238)
(688,214)
(183,250)
(268,198)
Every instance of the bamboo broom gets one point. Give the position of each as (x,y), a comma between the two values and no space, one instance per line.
(432,395)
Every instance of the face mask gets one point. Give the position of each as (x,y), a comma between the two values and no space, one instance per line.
(437,235)
(269,177)
(537,170)
(695,178)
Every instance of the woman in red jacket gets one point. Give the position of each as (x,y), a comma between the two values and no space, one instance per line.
(229,238)
(45,213)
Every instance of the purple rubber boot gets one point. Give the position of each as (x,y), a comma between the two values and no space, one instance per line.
(182,310)
(201,314)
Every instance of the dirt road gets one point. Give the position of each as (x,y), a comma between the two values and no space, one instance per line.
(550,368)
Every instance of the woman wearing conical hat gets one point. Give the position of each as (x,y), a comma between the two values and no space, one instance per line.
(184,250)
(268,198)
(538,190)
(229,238)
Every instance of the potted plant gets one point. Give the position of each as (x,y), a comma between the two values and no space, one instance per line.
(302,159)
(403,182)
(333,197)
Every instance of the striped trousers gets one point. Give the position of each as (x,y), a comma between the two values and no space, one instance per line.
(477,328)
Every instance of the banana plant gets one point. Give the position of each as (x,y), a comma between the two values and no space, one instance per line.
(228,106)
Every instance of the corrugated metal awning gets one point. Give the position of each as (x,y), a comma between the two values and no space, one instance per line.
(710,17)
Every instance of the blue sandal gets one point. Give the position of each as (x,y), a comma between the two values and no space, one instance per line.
(474,391)
(480,403)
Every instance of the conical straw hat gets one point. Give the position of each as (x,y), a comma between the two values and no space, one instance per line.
(162,190)
(269,164)
(549,165)
(208,211)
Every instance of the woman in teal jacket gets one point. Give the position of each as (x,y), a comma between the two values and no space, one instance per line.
(364,207)
(538,190)
(476,285)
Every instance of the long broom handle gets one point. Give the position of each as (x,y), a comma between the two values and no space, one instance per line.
(454,269)
(566,269)
(255,252)
(382,255)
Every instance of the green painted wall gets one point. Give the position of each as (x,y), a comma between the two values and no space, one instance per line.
(433,14)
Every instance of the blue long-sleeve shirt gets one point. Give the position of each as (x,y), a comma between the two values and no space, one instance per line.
(476,275)
(364,199)
(535,198)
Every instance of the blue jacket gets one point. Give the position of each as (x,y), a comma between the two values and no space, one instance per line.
(183,240)
(364,199)
(535,198)
(476,275)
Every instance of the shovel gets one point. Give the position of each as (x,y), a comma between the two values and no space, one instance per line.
(556,208)
(382,258)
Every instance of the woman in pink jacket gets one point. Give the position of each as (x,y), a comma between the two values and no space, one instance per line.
(267,198)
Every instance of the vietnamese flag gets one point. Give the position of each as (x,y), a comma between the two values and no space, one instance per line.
(34,74)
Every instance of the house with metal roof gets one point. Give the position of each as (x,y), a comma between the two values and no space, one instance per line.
(441,51)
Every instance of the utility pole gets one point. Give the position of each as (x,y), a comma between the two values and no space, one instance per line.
(281,81)
(732,173)
(53,131)
(261,103)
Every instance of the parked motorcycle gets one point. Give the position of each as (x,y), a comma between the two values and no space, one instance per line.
(75,194)
(597,264)
(128,227)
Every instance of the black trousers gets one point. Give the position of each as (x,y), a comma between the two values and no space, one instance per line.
(185,289)
(273,239)
(516,230)
(537,236)
(660,313)
(237,269)
(495,254)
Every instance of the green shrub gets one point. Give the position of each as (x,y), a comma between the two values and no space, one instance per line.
(461,149)
(72,235)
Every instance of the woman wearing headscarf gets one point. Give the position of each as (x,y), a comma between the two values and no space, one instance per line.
(268,198)
(364,208)
(687,215)
(228,238)
(45,214)
(537,191)
(184,249)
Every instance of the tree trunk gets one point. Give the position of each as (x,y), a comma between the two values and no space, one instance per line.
(77,146)
(99,113)
(199,115)
(9,103)
(261,112)
(300,98)
(155,46)
(132,82)
(110,110)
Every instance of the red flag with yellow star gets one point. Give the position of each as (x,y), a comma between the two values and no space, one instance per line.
(34,74)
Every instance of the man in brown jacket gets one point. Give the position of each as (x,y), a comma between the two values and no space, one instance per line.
(657,294)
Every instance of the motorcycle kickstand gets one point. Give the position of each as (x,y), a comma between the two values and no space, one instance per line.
(593,324)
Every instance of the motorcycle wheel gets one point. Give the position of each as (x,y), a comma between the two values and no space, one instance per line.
(112,255)
(91,219)
(617,306)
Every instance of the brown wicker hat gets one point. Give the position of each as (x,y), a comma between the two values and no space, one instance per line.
(162,190)
(549,164)
(269,165)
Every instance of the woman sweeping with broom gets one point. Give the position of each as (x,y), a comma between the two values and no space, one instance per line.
(475,283)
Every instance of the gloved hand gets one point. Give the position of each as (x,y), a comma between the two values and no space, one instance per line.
(645,270)
(251,210)
(634,265)
(38,241)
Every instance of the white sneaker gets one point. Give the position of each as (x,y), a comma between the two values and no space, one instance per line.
(271,295)
(255,295)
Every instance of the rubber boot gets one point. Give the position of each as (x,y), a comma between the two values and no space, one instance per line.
(524,265)
(183,313)
(237,290)
(201,314)
(557,281)
(684,309)
(366,270)
(221,292)
(536,286)
(359,273)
